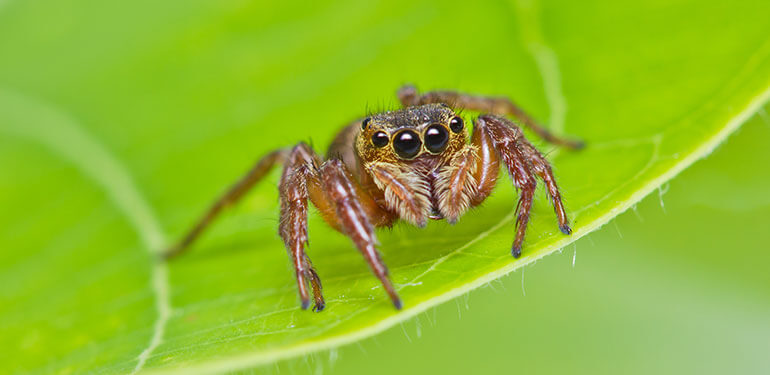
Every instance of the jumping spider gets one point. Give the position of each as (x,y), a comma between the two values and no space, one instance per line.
(412,164)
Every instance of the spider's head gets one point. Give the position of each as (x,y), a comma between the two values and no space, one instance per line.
(430,131)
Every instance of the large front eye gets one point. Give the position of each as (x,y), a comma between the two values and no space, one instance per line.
(407,144)
(436,138)
(380,139)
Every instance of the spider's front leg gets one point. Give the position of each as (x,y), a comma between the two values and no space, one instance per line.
(298,180)
(355,212)
(499,139)
(342,204)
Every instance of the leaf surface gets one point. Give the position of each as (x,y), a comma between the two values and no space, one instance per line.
(120,123)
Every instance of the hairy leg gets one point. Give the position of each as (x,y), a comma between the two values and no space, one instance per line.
(343,205)
(525,181)
(230,197)
(542,169)
(523,162)
(409,96)
(298,176)
(353,219)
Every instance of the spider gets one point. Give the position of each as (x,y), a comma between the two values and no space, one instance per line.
(412,164)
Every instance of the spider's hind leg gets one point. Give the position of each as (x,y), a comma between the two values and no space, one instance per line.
(233,195)
(409,96)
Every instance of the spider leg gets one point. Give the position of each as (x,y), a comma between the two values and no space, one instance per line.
(524,163)
(353,219)
(300,174)
(542,169)
(409,96)
(230,197)
(525,181)
(315,283)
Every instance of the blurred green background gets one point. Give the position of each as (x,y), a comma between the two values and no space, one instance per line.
(185,94)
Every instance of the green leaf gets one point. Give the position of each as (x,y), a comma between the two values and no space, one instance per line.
(120,122)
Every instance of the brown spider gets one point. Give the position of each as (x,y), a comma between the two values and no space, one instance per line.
(411,164)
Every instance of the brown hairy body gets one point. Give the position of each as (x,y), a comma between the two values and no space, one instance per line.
(412,164)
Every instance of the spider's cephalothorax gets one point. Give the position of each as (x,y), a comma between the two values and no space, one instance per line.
(419,148)
(412,164)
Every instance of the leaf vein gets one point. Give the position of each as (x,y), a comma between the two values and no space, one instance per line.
(63,135)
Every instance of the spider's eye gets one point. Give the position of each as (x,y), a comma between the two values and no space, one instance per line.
(436,138)
(407,144)
(365,123)
(380,139)
(456,124)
